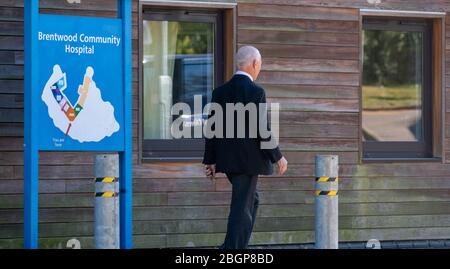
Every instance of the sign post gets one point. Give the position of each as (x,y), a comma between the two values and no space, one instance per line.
(77,98)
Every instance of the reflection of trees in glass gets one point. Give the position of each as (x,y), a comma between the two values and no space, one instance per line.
(193,38)
(392,85)
(391,58)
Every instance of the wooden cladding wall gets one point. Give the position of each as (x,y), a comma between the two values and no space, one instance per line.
(311,67)
(415,5)
(66,204)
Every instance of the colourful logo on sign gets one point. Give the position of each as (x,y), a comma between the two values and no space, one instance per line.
(90,119)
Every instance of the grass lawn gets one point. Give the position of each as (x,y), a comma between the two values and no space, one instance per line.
(391,97)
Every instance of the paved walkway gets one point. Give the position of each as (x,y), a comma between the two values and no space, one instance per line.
(392,125)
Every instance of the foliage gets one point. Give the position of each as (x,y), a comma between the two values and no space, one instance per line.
(194,38)
(394,97)
(392,58)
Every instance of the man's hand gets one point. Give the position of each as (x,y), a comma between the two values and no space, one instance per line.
(210,171)
(282,166)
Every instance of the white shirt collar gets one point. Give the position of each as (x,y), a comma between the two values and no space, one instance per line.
(239,72)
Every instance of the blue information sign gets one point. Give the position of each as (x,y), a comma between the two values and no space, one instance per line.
(81,83)
(77,98)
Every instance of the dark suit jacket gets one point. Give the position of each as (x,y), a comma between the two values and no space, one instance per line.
(240,155)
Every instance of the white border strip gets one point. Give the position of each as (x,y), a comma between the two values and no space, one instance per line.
(401,13)
(188,3)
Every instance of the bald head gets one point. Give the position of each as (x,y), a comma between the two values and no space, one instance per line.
(248,59)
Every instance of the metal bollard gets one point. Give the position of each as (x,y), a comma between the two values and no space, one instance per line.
(326,202)
(107,201)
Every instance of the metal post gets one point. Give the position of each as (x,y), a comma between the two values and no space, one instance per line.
(31,150)
(326,202)
(107,219)
(126,159)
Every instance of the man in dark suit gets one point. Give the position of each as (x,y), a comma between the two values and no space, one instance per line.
(241,159)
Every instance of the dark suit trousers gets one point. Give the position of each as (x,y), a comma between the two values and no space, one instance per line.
(244,205)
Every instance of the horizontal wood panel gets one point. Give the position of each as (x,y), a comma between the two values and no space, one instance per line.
(50,158)
(347,183)
(223,198)
(11,28)
(307,157)
(11,57)
(8,158)
(9,187)
(447,96)
(11,86)
(11,114)
(325,118)
(414,5)
(447,125)
(318,144)
(11,72)
(299,183)
(304,12)
(11,144)
(398,169)
(292,237)
(16,144)
(291,224)
(11,101)
(11,129)
(11,43)
(308,52)
(310,130)
(7,172)
(318,105)
(307,197)
(173,185)
(296,25)
(221,212)
(147,241)
(11,14)
(195,169)
(310,65)
(259,238)
(309,78)
(310,91)
(140,186)
(219,226)
(78,200)
(305,38)
(169,170)
(435,169)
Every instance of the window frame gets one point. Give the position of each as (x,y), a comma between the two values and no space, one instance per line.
(372,150)
(152,150)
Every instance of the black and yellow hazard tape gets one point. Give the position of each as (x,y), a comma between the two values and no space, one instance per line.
(106,194)
(326,193)
(106,179)
(327,179)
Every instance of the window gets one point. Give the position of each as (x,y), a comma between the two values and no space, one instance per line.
(397,88)
(182,58)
